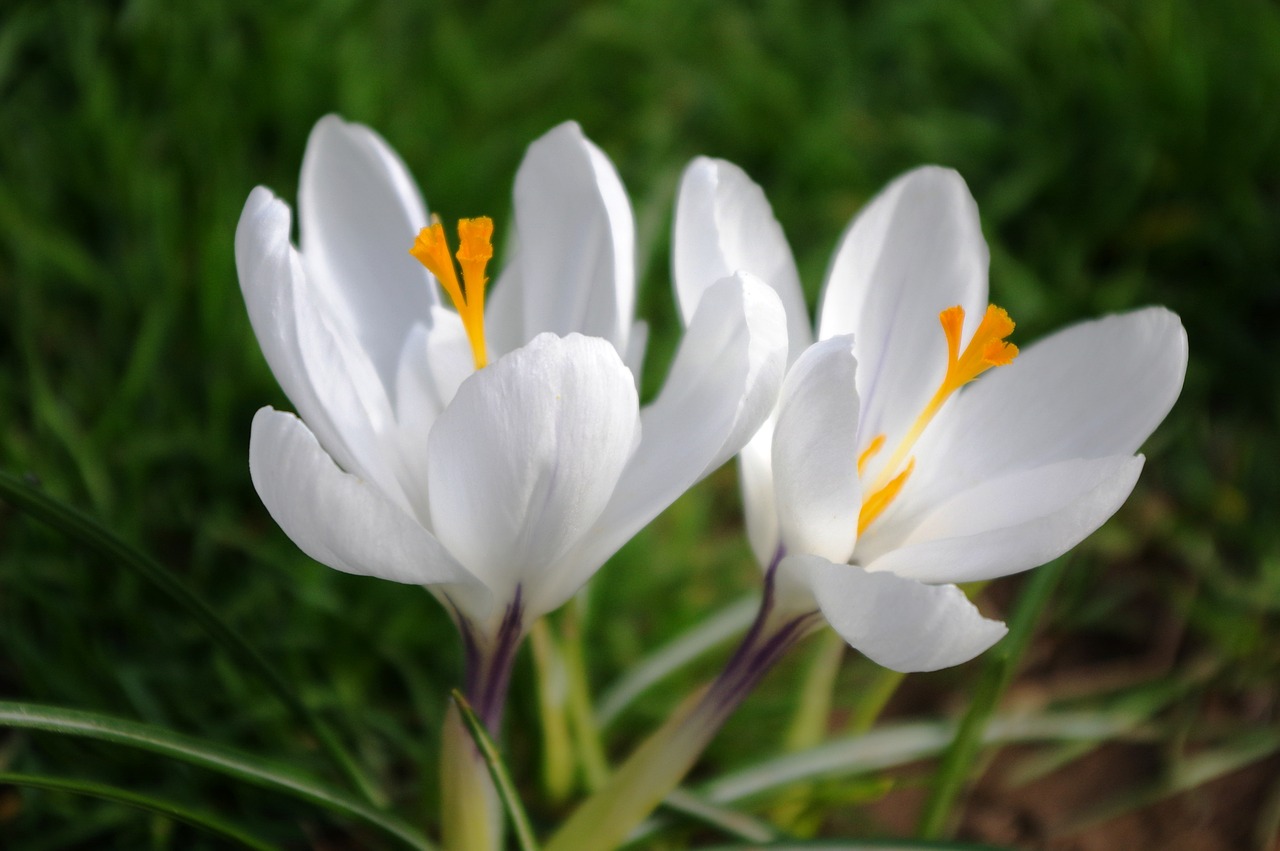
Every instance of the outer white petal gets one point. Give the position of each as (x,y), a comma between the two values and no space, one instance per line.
(914,251)
(524,459)
(576,233)
(900,623)
(815,452)
(1012,523)
(1091,390)
(722,386)
(344,522)
(724,224)
(358,212)
(319,365)
(759,505)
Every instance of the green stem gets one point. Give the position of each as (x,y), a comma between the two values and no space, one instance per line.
(873,701)
(582,714)
(608,817)
(552,683)
(471,815)
(957,762)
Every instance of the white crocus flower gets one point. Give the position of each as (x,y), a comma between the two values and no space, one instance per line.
(498,469)
(879,483)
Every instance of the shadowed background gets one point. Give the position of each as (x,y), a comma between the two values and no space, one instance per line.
(1121,153)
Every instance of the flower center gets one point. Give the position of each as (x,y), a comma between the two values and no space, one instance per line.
(987,348)
(474,251)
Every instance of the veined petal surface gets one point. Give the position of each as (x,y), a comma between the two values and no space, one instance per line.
(358,213)
(724,224)
(575,242)
(527,454)
(320,367)
(914,250)
(1091,390)
(343,521)
(900,623)
(1011,523)
(721,387)
(815,452)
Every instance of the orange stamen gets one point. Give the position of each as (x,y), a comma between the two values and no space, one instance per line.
(431,248)
(876,444)
(987,348)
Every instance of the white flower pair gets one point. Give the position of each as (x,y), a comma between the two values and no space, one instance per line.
(870,483)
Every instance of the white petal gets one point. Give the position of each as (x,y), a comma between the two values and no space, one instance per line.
(524,459)
(722,386)
(914,251)
(432,367)
(901,623)
(1012,523)
(759,505)
(358,212)
(1091,390)
(637,345)
(815,452)
(504,309)
(576,253)
(320,367)
(724,224)
(344,522)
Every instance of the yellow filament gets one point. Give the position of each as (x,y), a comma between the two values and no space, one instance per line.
(987,348)
(877,443)
(874,505)
(431,249)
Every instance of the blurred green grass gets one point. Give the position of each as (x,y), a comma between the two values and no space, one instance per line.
(1122,153)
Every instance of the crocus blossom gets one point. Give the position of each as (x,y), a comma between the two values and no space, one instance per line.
(893,467)
(495,453)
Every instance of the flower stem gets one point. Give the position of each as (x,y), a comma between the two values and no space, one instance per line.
(471,815)
(471,812)
(605,819)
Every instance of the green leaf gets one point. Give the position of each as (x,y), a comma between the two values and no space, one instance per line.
(196,818)
(228,761)
(732,822)
(899,744)
(674,655)
(498,770)
(860,845)
(957,762)
(97,537)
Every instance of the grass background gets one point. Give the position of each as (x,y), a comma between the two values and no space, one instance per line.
(1122,153)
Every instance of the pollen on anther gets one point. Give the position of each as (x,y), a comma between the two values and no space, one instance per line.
(999,353)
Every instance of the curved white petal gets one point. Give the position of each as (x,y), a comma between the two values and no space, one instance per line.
(358,214)
(1012,523)
(815,452)
(524,459)
(900,623)
(759,505)
(722,386)
(637,345)
(320,367)
(1091,390)
(504,308)
(433,365)
(344,522)
(576,235)
(914,251)
(724,224)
